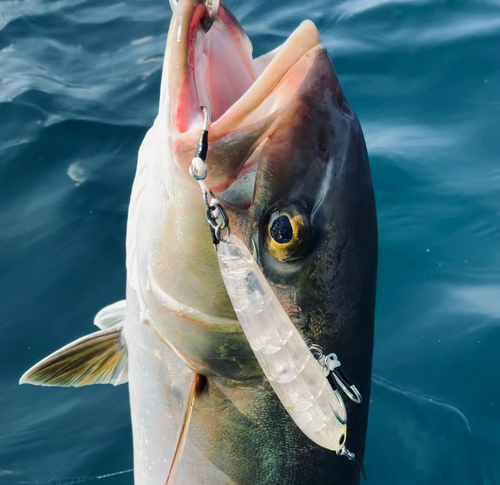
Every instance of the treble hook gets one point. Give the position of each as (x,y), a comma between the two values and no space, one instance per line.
(211,6)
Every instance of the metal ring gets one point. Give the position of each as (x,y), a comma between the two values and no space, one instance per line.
(196,177)
(214,221)
(345,452)
(219,237)
(316,350)
(222,213)
(311,345)
(208,214)
(205,197)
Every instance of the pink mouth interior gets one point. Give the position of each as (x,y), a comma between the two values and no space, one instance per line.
(223,69)
(236,88)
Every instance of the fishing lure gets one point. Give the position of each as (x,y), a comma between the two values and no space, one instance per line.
(297,371)
(295,375)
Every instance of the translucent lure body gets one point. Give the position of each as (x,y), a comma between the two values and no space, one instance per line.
(295,375)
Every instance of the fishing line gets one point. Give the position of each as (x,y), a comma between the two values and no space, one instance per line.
(75,480)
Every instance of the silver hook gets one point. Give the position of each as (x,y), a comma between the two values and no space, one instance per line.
(341,401)
(332,366)
(206,118)
(351,391)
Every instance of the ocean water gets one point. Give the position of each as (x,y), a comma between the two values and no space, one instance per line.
(79,86)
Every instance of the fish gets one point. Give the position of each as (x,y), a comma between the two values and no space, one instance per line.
(288,162)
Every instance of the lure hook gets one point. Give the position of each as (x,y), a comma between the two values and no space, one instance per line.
(334,372)
(350,390)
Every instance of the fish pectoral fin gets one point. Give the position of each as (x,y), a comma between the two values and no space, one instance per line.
(98,358)
(111,315)
(194,387)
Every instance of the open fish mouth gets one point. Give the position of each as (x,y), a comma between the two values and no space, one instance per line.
(244,95)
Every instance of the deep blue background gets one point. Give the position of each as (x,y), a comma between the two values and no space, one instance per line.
(79,86)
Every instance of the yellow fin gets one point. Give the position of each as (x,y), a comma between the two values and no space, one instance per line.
(98,358)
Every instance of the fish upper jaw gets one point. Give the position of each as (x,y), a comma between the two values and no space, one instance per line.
(245,95)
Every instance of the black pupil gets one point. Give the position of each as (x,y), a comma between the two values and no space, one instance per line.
(281,230)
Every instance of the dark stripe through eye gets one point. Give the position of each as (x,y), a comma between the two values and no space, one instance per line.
(281,230)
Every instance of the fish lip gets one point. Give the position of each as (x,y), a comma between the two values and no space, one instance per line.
(182,97)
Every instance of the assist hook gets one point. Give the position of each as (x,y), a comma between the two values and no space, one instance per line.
(336,376)
(211,7)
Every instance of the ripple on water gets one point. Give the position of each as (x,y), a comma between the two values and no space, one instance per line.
(433,439)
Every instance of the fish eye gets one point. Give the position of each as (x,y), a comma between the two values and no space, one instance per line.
(287,232)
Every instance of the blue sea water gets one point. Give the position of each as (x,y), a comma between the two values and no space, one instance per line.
(79,86)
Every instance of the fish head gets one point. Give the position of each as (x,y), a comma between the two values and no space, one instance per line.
(247,99)
(285,147)
(288,162)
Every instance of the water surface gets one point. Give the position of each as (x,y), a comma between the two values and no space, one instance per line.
(79,86)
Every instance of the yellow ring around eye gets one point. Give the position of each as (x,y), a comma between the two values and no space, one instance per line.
(287,232)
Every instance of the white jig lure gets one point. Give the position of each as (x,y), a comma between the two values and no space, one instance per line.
(294,373)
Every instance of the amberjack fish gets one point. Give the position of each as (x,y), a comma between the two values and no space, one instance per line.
(287,160)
